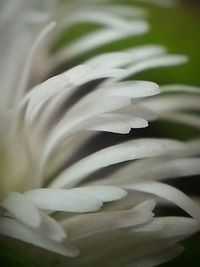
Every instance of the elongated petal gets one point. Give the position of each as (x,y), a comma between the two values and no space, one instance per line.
(110,9)
(171,194)
(65,81)
(103,193)
(174,88)
(170,169)
(22,209)
(116,247)
(119,59)
(52,229)
(138,110)
(183,118)
(164,103)
(63,200)
(167,227)
(81,113)
(83,199)
(160,61)
(10,227)
(27,66)
(99,17)
(130,150)
(101,37)
(114,123)
(130,89)
(154,170)
(84,225)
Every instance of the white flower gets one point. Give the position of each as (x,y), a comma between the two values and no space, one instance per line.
(42,129)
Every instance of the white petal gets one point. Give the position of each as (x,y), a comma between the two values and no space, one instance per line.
(188,119)
(118,10)
(27,66)
(163,104)
(80,113)
(97,16)
(119,59)
(101,37)
(84,225)
(52,229)
(130,89)
(171,194)
(63,200)
(173,88)
(170,169)
(103,193)
(22,209)
(83,199)
(154,170)
(138,110)
(10,227)
(113,123)
(123,10)
(129,150)
(68,81)
(160,61)
(169,227)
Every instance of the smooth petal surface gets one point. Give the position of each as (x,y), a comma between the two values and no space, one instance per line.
(171,194)
(101,37)
(134,149)
(83,199)
(10,227)
(84,225)
(22,209)
(167,227)
(154,169)
(120,59)
(51,228)
(116,123)
(159,61)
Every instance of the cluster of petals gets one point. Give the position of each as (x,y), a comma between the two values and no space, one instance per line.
(55,200)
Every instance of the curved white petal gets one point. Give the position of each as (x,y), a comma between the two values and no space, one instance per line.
(130,89)
(183,118)
(116,123)
(163,104)
(83,199)
(129,150)
(173,88)
(101,37)
(80,113)
(10,227)
(63,200)
(171,194)
(51,228)
(22,209)
(120,59)
(68,81)
(85,225)
(159,61)
(158,169)
(169,227)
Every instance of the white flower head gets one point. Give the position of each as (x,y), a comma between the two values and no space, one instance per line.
(54,200)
